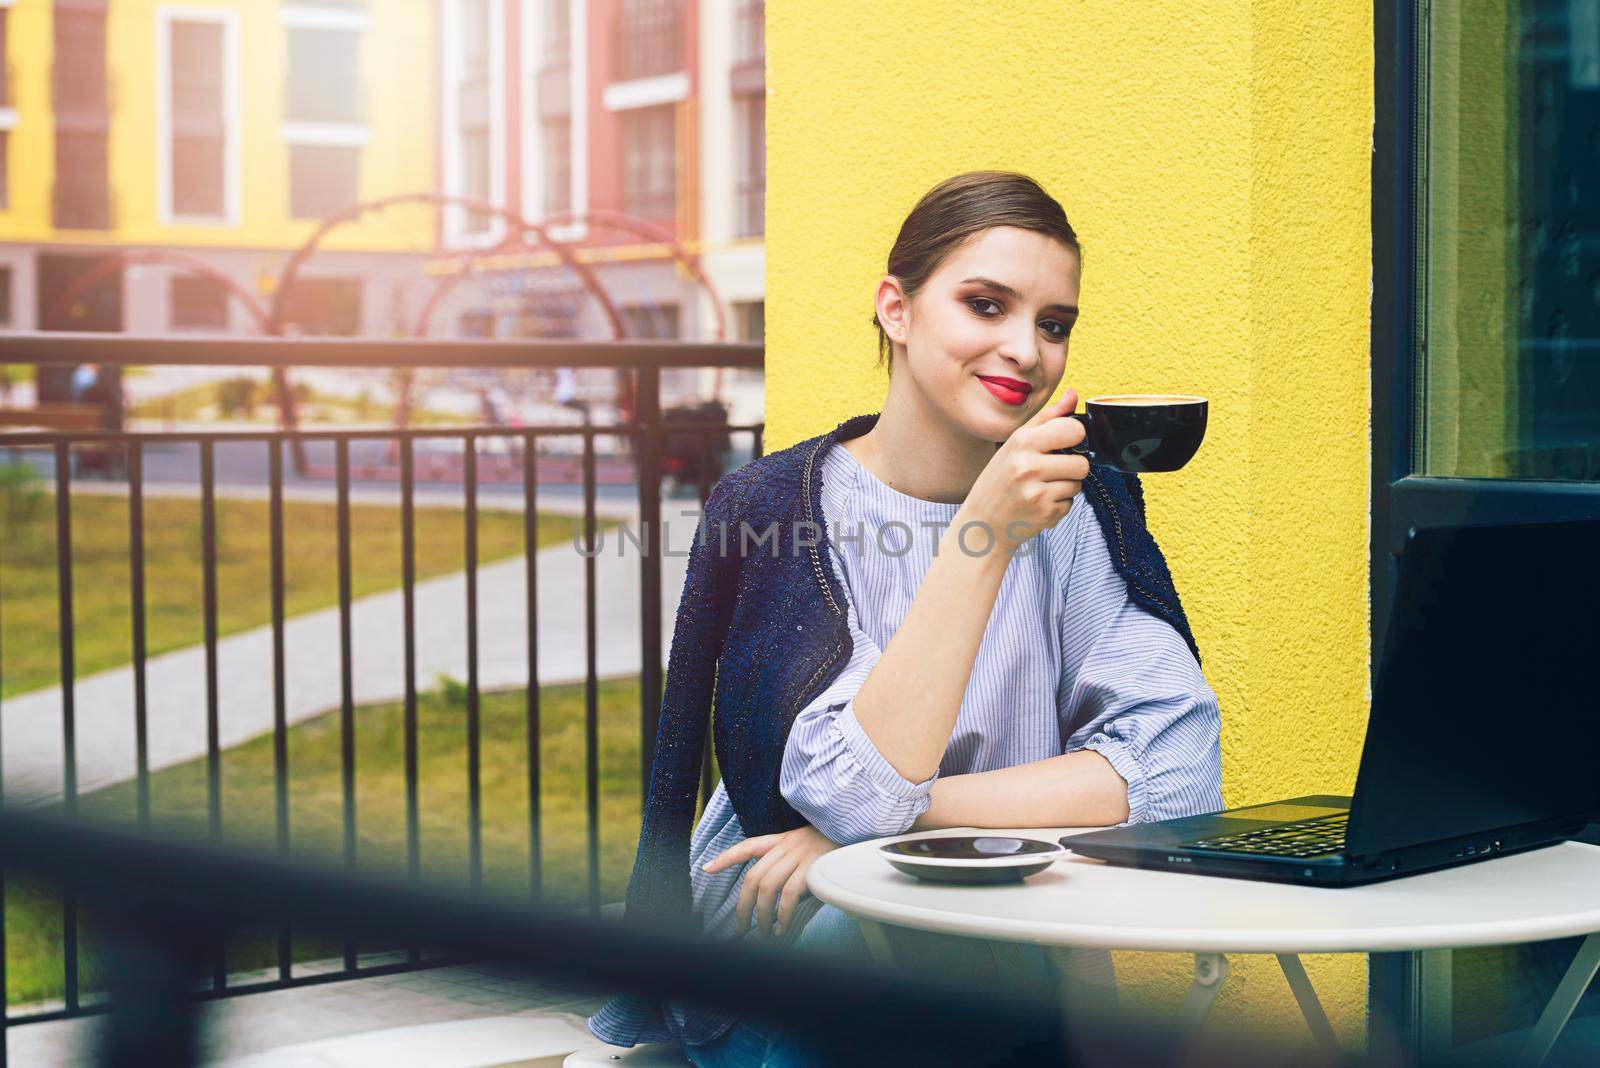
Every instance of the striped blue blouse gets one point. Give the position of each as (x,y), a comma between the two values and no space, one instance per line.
(1067,662)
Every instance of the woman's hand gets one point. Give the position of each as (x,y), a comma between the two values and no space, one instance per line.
(777,882)
(1026,487)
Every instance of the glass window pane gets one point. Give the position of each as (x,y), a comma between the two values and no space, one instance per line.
(324,83)
(1509,367)
(197,79)
(198,176)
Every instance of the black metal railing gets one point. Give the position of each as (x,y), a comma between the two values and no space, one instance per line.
(651,441)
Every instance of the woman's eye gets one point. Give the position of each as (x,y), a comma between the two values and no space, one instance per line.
(1057,330)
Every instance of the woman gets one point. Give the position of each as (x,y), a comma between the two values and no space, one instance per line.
(968,648)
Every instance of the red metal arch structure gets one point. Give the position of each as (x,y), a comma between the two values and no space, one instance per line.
(519,231)
(517,242)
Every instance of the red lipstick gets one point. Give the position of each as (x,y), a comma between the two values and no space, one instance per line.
(1008,390)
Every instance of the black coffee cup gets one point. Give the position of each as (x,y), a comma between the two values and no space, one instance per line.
(1140,433)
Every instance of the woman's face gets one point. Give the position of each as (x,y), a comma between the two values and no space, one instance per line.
(985,340)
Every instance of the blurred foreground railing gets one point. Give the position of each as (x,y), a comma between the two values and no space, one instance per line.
(160,900)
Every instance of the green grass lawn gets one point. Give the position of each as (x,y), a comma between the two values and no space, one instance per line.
(29,623)
(33,924)
(29,652)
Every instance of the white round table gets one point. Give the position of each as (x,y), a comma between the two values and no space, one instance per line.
(1082,903)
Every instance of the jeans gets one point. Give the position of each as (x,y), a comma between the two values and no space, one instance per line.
(751,1045)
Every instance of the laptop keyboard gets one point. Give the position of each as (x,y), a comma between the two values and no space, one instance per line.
(1304,838)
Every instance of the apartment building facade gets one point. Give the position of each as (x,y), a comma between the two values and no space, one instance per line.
(218,131)
(654,109)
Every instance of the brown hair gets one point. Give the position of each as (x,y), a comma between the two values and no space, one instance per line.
(955,210)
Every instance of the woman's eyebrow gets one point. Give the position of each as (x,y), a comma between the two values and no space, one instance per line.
(1001,287)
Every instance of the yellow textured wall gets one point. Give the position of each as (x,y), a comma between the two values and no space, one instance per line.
(398,60)
(1215,161)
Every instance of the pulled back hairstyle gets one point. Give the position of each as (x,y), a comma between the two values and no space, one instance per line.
(955,210)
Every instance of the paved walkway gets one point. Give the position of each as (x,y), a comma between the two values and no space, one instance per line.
(30,727)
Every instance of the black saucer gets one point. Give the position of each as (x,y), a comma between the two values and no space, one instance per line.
(972,859)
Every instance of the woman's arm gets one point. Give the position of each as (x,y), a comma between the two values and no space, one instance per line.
(1148,746)
(1144,739)
(1078,789)
(909,703)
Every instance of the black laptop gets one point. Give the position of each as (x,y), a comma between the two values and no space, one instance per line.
(1484,735)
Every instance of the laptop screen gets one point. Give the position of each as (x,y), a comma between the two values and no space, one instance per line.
(1485,709)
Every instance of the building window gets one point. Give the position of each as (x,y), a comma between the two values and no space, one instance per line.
(751,142)
(323,179)
(198,176)
(649,38)
(5,296)
(79,83)
(551,313)
(556,143)
(5,62)
(750,320)
(750,32)
(1509,246)
(197,303)
(81,198)
(651,321)
(475,322)
(1485,314)
(557,31)
(82,191)
(321,307)
(198,123)
(650,162)
(475,174)
(324,75)
(471,90)
(474,40)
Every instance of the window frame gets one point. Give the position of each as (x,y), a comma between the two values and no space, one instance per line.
(1402,499)
(166,16)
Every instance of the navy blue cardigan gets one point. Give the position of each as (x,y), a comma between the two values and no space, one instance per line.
(762,629)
